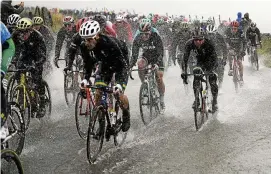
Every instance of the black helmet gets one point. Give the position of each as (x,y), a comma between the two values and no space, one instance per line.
(198,33)
(101,19)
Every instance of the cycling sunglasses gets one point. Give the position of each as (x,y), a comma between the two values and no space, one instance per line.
(90,39)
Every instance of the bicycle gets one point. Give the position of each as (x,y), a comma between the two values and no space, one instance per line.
(85,94)
(202,104)
(15,126)
(149,95)
(71,81)
(235,68)
(9,156)
(254,60)
(104,124)
(30,101)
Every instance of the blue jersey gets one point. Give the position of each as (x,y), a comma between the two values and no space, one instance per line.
(5,34)
(153,30)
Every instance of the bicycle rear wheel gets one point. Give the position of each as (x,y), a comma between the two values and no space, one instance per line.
(236,78)
(48,100)
(16,126)
(70,91)
(82,114)
(10,162)
(199,110)
(145,101)
(22,98)
(10,86)
(96,132)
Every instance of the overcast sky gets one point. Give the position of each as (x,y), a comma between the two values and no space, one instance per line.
(258,10)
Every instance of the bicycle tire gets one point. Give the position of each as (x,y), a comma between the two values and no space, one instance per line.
(10,86)
(98,117)
(15,109)
(199,120)
(143,86)
(235,78)
(256,61)
(69,91)
(8,155)
(78,107)
(23,109)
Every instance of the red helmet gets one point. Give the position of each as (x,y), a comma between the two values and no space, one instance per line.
(235,24)
(80,22)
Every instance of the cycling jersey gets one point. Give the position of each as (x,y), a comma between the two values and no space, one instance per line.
(236,40)
(251,35)
(206,55)
(153,49)
(220,44)
(5,34)
(124,31)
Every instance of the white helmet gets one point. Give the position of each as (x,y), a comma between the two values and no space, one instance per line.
(211,29)
(119,18)
(89,29)
(13,19)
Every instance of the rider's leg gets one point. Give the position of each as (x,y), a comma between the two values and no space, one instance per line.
(240,64)
(3,105)
(142,63)
(214,90)
(161,87)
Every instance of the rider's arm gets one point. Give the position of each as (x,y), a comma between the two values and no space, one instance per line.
(135,50)
(59,41)
(75,43)
(187,49)
(223,46)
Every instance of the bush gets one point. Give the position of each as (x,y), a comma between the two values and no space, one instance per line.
(266,51)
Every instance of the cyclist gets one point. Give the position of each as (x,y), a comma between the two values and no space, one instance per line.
(48,37)
(182,35)
(7,9)
(12,21)
(96,47)
(106,26)
(65,34)
(236,40)
(221,50)
(206,59)
(252,32)
(153,50)
(31,53)
(8,50)
(123,30)
(45,31)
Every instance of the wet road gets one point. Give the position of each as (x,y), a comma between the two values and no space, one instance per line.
(236,140)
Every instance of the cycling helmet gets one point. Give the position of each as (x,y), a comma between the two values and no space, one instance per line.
(101,19)
(253,25)
(145,27)
(119,18)
(160,21)
(211,29)
(170,20)
(37,21)
(68,20)
(234,24)
(13,19)
(80,22)
(184,25)
(198,33)
(24,23)
(89,29)
(145,20)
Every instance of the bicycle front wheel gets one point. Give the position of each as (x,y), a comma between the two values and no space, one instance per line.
(16,126)
(96,132)
(69,89)
(236,77)
(119,135)
(10,162)
(145,103)
(83,109)
(199,110)
(256,61)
